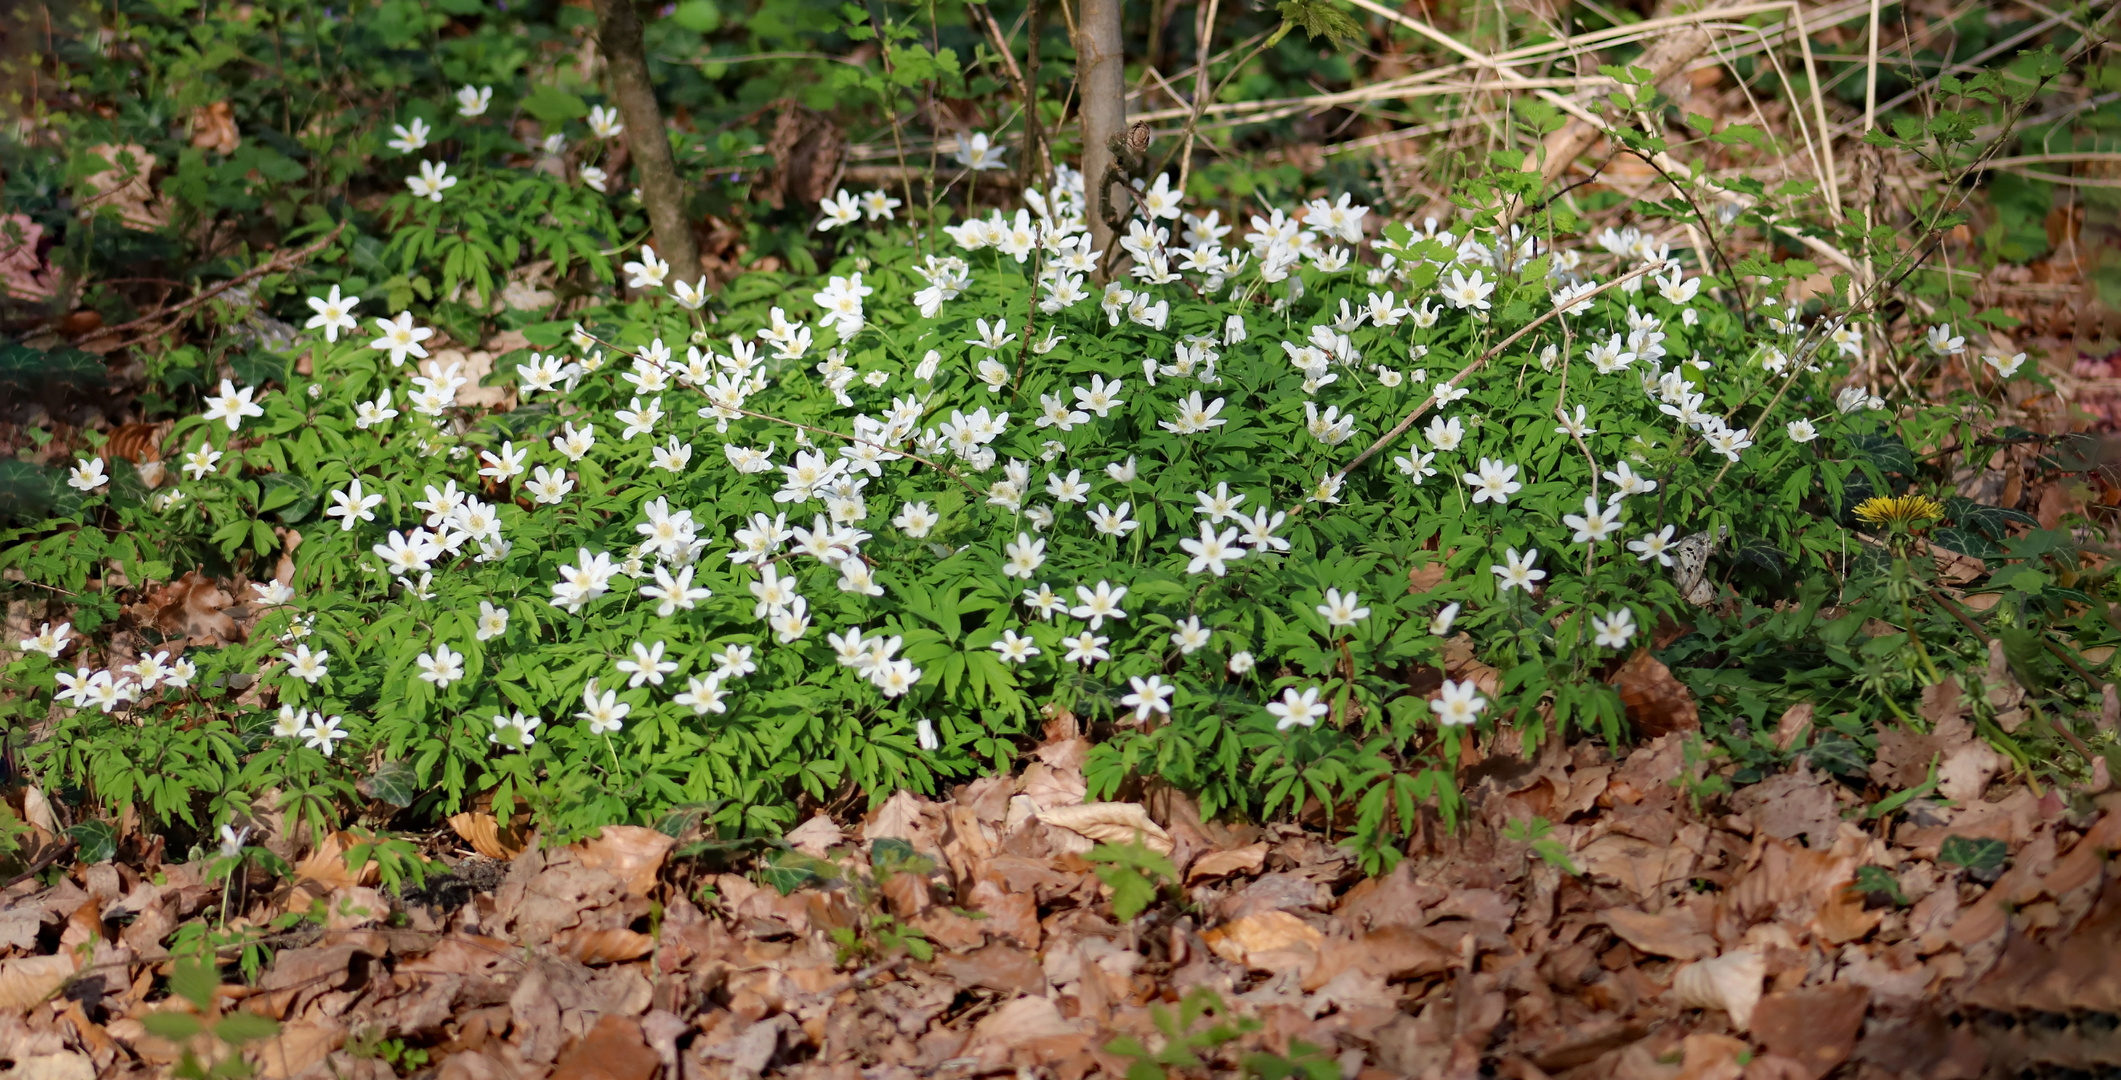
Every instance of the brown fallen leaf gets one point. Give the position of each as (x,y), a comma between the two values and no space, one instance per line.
(1110,823)
(213,127)
(1641,867)
(486,835)
(1421,579)
(1792,804)
(1703,1056)
(1816,1027)
(607,946)
(1657,702)
(327,866)
(1021,1021)
(1786,873)
(1845,918)
(1795,727)
(628,852)
(193,607)
(1730,982)
(27,980)
(816,837)
(612,1050)
(996,966)
(1674,932)
(123,185)
(1216,864)
(1267,937)
(1390,953)
(298,1045)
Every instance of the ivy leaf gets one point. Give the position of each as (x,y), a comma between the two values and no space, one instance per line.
(1975,856)
(99,842)
(393,782)
(1842,757)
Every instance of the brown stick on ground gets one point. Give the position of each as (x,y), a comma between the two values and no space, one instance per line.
(662,194)
(1666,59)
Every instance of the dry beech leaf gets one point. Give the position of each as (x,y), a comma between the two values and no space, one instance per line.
(1730,982)
(484,833)
(1795,727)
(327,864)
(1245,860)
(1796,803)
(123,185)
(628,852)
(1641,867)
(1267,936)
(193,607)
(27,980)
(1657,702)
(1704,1056)
(296,1047)
(1786,873)
(1817,1027)
(1110,823)
(609,946)
(816,836)
(1674,932)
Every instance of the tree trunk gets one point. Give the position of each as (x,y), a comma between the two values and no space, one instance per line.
(1101,79)
(662,193)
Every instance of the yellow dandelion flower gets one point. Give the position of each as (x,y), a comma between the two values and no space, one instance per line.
(1907,511)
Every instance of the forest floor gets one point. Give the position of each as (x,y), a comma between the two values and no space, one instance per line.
(1781,931)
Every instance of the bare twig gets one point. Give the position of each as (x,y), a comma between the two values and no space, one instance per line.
(279,263)
(1400,428)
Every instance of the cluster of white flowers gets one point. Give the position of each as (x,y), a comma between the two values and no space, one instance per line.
(112,688)
(909,424)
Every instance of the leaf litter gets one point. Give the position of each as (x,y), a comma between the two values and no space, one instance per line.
(1589,918)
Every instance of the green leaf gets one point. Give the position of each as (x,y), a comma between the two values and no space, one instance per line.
(174,1026)
(194,982)
(790,870)
(241,1027)
(393,782)
(1978,856)
(553,105)
(698,16)
(1321,19)
(97,840)
(1878,879)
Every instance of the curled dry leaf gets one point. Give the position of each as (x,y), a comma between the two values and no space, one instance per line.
(1269,940)
(1110,823)
(1245,860)
(486,836)
(608,946)
(123,186)
(1730,982)
(193,606)
(1657,702)
(213,127)
(628,852)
